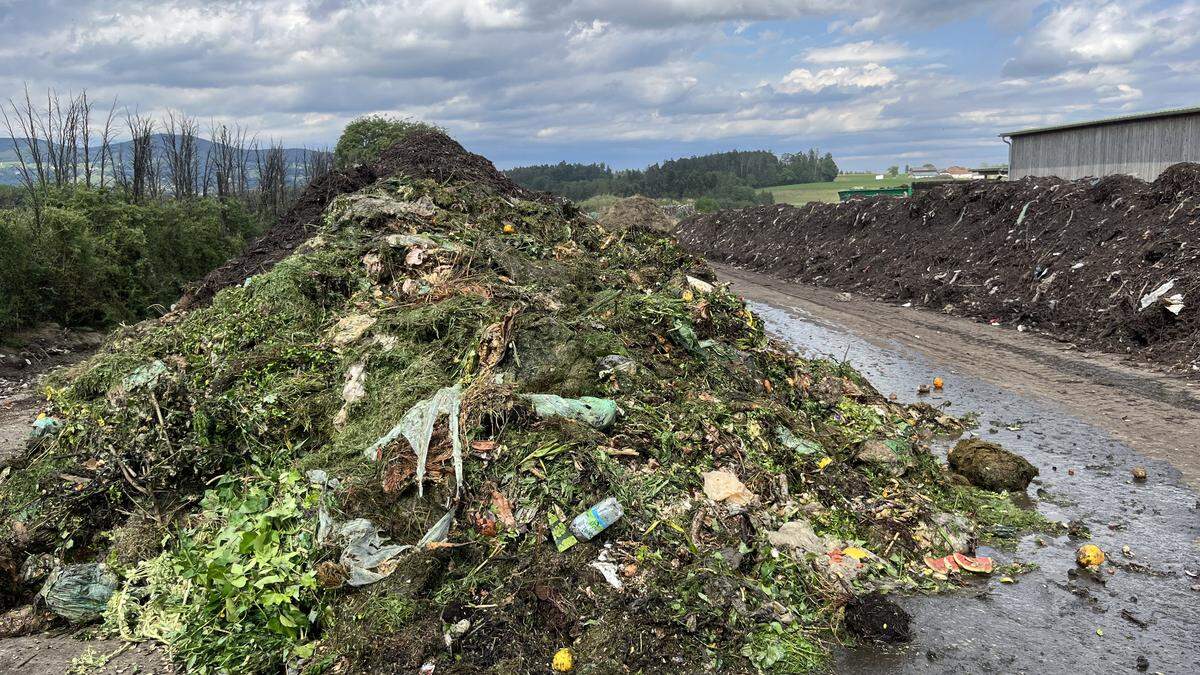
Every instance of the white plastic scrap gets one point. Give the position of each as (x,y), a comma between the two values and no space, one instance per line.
(1174,303)
(700,285)
(352,391)
(354,388)
(1024,209)
(609,572)
(364,551)
(365,554)
(439,531)
(417,427)
(607,568)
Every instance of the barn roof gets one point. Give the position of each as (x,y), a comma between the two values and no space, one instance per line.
(1107,120)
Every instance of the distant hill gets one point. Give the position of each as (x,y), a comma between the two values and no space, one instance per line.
(9,162)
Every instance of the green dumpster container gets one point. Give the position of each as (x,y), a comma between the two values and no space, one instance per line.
(854,193)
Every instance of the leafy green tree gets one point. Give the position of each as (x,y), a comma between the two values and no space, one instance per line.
(94,258)
(893,171)
(365,139)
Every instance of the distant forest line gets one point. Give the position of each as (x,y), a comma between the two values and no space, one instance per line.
(724,179)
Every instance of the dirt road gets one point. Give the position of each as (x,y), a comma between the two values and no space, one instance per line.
(1085,421)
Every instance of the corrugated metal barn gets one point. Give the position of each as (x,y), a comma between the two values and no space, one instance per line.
(1140,145)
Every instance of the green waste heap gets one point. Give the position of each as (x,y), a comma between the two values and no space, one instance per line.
(359,455)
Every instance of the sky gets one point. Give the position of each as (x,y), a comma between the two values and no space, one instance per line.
(626,82)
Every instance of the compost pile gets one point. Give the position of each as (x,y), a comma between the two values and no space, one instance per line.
(363,457)
(636,211)
(1109,264)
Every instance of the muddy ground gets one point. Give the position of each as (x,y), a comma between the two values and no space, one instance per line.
(1085,421)
(1076,260)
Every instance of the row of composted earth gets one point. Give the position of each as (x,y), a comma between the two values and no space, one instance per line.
(434,422)
(1107,264)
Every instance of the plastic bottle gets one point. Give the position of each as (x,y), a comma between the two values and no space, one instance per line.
(590,523)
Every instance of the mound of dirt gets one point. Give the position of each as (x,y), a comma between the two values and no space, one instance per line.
(462,428)
(435,156)
(636,211)
(1073,259)
(991,467)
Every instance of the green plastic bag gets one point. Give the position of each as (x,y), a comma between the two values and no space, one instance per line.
(79,593)
(598,413)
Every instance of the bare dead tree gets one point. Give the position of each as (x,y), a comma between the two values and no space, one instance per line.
(316,164)
(18,120)
(155,184)
(84,105)
(228,157)
(142,164)
(59,125)
(120,171)
(272,179)
(107,133)
(22,119)
(182,157)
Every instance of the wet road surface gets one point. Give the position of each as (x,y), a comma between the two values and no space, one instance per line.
(1085,422)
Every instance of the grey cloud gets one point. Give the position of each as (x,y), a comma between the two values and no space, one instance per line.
(542,79)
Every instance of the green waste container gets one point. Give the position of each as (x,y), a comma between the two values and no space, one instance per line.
(854,193)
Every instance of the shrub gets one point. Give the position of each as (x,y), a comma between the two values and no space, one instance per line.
(95,259)
(365,139)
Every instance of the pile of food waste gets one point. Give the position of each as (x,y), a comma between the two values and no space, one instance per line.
(460,427)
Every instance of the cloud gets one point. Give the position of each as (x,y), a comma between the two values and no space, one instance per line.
(1093,33)
(858,52)
(543,80)
(804,80)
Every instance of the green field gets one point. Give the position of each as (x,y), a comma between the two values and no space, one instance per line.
(827,192)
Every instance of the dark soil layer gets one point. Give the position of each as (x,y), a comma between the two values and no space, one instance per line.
(428,154)
(1069,258)
(874,617)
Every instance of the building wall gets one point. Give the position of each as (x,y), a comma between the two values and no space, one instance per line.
(1142,148)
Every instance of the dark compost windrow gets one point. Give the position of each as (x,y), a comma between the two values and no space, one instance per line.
(1109,264)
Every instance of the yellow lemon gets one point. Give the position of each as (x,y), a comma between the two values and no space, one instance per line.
(563,661)
(509,229)
(1089,555)
(856,552)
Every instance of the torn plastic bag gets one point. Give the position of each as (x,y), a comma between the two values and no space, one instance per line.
(79,593)
(364,552)
(417,428)
(45,427)
(1156,294)
(599,413)
(439,531)
(146,376)
(801,446)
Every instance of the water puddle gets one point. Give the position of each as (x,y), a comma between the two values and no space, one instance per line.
(1050,620)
